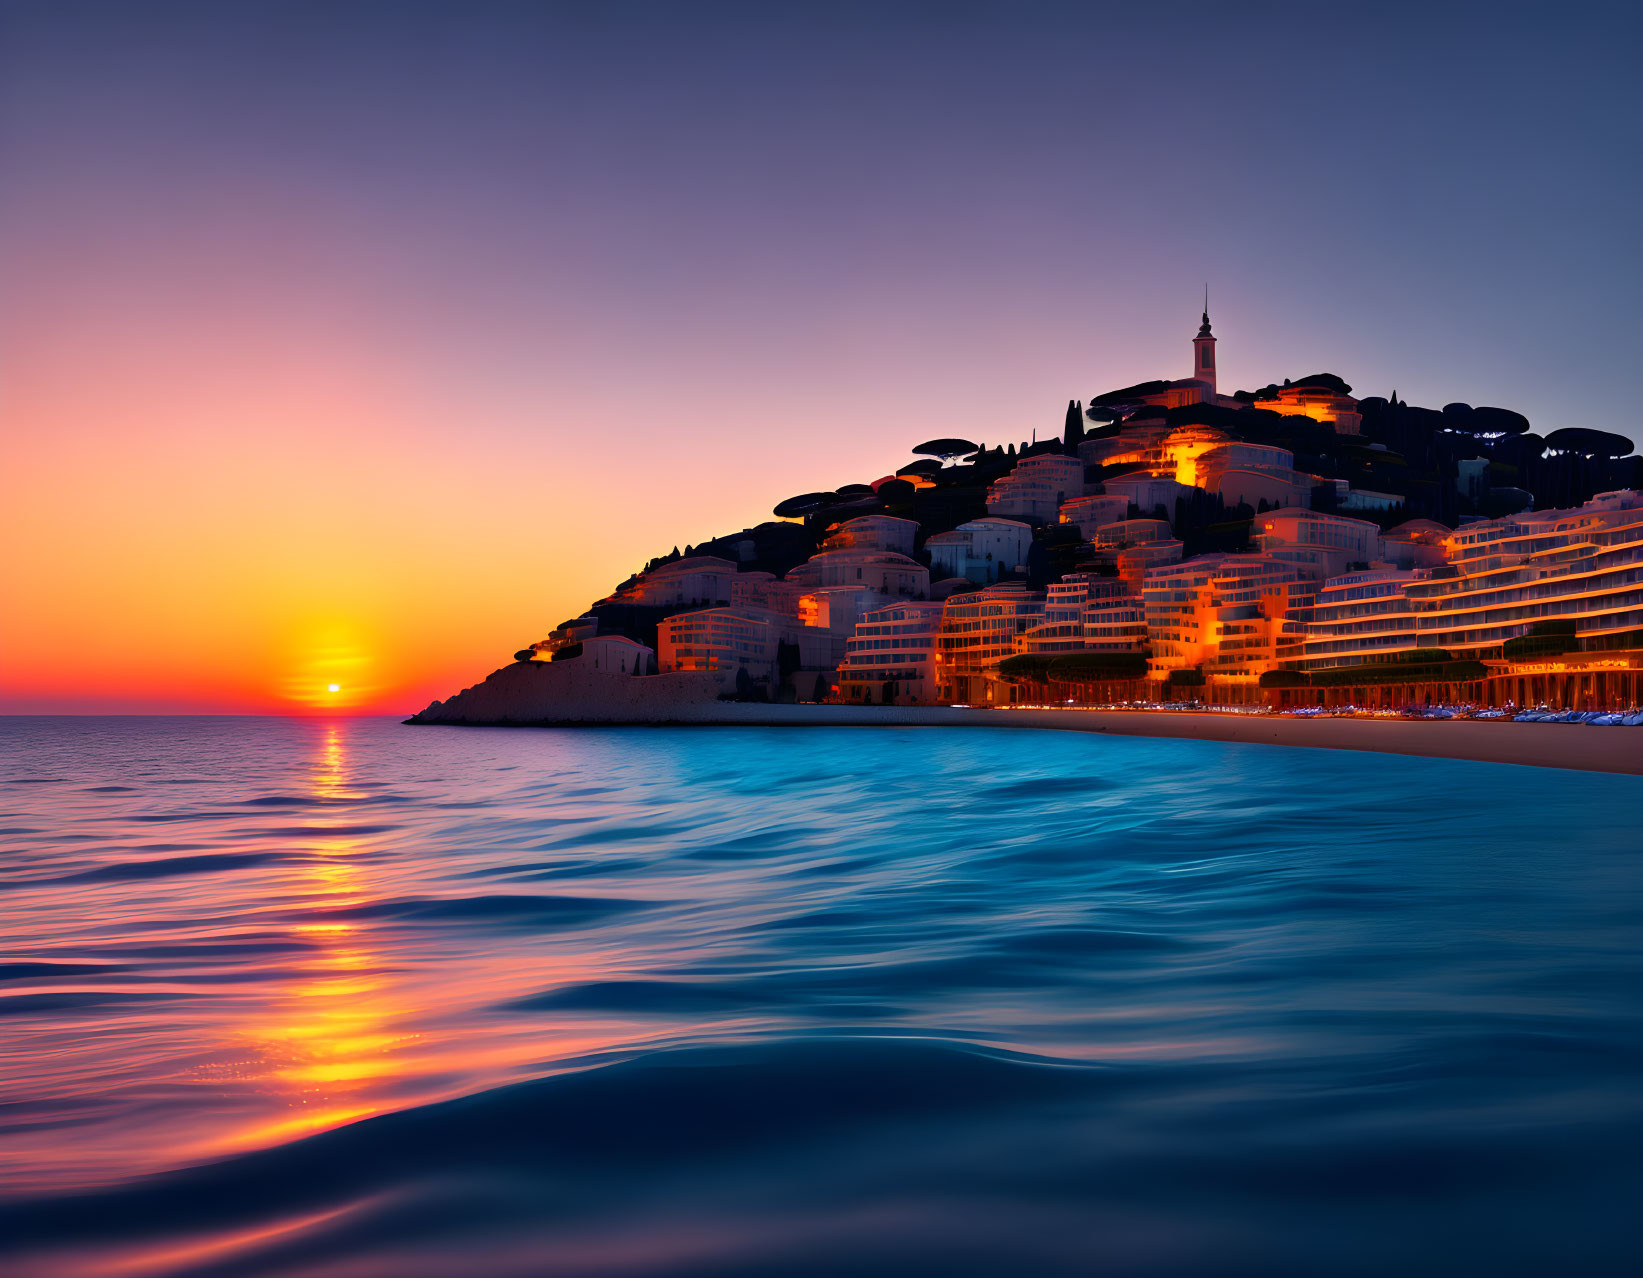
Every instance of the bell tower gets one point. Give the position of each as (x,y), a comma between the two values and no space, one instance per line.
(1203,352)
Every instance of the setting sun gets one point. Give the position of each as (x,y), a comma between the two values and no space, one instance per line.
(333,687)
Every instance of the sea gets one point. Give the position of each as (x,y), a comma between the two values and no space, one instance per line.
(349,998)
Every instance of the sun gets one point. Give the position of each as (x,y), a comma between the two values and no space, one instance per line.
(333,687)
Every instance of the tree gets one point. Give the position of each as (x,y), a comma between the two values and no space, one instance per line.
(948,450)
(744,683)
(1073,436)
(821,688)
(525,654)
(803,504)
(1588,443)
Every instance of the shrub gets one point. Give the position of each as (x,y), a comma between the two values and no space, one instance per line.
(1531,647)
(1027,666)
(567,652)
(1094,667)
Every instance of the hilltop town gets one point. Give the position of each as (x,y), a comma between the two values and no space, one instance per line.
(1287,546)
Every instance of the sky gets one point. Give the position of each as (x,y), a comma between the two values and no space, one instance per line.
(361,344)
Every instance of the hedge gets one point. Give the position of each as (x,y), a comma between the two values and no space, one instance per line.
(1417,657)
(1091,667)
(1400,672)
(1530,646)
(1032,665)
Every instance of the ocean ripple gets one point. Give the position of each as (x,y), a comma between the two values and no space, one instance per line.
(771,1002)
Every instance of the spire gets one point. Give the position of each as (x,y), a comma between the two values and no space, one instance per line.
(1204,330)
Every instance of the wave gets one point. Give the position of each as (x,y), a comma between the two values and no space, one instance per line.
(880,1155)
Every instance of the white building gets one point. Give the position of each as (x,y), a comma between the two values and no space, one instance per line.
(980,549)
(617,654)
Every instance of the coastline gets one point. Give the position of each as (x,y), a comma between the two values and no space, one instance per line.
(1574,746)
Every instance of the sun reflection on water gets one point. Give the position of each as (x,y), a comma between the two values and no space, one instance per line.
(334,1036)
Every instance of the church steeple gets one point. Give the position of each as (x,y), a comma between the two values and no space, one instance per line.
(1203,352)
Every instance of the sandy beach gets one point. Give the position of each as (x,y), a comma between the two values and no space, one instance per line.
(1544,745)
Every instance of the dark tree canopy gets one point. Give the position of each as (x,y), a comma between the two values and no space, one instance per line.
(1484,421)
(946,449)
(524,654)
(1498,421)
(926,467)
(1588,443)
(803,504)
(1126,393)
(1326,381)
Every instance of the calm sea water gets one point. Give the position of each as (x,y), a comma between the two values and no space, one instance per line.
(288,997)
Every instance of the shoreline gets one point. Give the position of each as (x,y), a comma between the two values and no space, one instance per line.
(1578,747)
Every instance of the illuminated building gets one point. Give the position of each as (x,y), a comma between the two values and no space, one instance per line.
(1550,601)
(1319,545)
(890,658)
(698,579)
(979,630)
(723,640)
(1231,616)
(1249,474)
(1061,629)
(1115,621)
(1360,616)
(874,532)
(566,633)
(1415,543)
(884,571)
(1584,566)
(1318,400)
(1090,513)
(1132,547)
(1087,611)
(1035,489)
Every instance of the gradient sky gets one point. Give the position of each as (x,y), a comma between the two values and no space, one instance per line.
(364,343)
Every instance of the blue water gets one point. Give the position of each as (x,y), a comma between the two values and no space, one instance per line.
(292,997)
